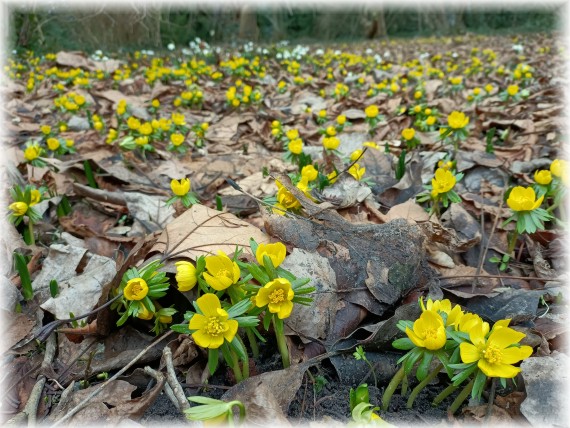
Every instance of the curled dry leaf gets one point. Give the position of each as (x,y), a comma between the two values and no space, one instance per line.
(202,231)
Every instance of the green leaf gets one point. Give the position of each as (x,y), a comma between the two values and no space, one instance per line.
(423,367)
(479,385)
(204,400)
(53,288)
(22,269)
(238,347)
(239,308)
(180,328)
(403,343)
(212,360)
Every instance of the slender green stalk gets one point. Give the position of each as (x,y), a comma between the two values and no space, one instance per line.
(235,367)
(391,388)
(373,372)
(246,361)
(281,341)
(422,385)
(252,343)
(404,385)
(461,397)
(513,242)
(444,394)
(31,230)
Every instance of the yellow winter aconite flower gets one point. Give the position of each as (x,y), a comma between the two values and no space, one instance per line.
(443,181)
(322,114)
(287,199)
(430,120)
(221,271)
(512,90)
(357,171)
(133,123)
(456,80)
(46,129)
(558,167)
(276,252)
(523,199)
(428,331)
(32,152)
(177,139)
(178,119)
(341,120)
(136,289)
(292,134)
(145,314)
(53,144)
(180,188)
(408,134)
(457,120)
(454,313)
(296,146)
(155,103)
(277,295)
(488,88)
(141,141)
(371,111)
(331,143)
(543,177)
(185,275)
(371,144)
(331,131)
(212,325)
(35,197)
(355,155)
(19,208)
(496,354)
(146,129)
(310,172)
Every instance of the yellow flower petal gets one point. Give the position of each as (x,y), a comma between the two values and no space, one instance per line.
(469,353)
(209,304)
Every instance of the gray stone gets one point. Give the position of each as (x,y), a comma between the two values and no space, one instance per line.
(77,123)
(546,380)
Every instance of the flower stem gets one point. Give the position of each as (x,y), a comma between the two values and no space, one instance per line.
(422,385)
(235,367)
(281,341)
(31,230)
(246,361)
(373,373)
(444,394)
(461,397)
(513,242)
(252,342)
(391,388)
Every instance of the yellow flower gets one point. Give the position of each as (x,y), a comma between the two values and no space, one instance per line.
(79,100)
(53,144)
(62,127)
(332,177)
(310,172)
(408,134)
(133,123)
(543,177)
(295,146)
(488,88)
(558,167)
(418,95)
(46,129)
(180,188)
(417,109)
(144,313)
(371,111)
(136,289)
(177,139)
(470,321)
(276,252)
(19,208)
(456,80)
(205,126)
(277,295)
(523,199)
(495,355)
(355,155)
(141,141)
(222,271)
(212,325)
(371,144)
(292,134)
(185,275)
(322,114)
(35,197)
(443,181)
(356,171)
(512,90)
(341,120)
(331,143)
(430,120)
(331,131)
(428,331)
(287,199)
(476,91)
(32,152)
(155,103)
(178,119)
(454,313)
(457,120)
(235,102)
(146,129)
(427,111)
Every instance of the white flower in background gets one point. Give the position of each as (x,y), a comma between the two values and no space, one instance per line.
(186,51)
(369,51)
(279,56)
(518,48)
(98,52)
(377,58)
(387,54)
(319,52)
(212,33)
(171,46)
(105,58)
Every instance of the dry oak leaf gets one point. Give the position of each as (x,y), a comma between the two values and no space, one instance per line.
(202,231)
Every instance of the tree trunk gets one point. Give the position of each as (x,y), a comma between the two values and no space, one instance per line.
(248,29)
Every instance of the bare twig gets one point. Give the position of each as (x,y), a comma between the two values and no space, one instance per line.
(183,403)
(85,401)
